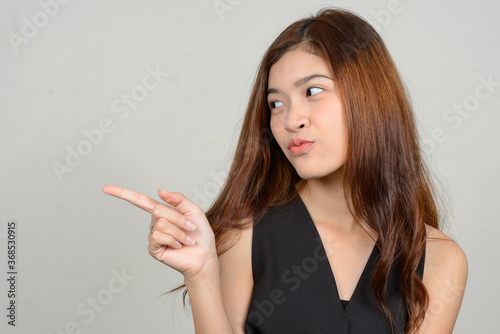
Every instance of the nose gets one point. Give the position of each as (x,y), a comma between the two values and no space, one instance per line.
(297,117)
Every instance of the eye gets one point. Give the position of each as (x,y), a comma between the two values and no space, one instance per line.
(275,104)
(313,91)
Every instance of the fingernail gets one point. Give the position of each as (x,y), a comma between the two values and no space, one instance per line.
(178,244)
(190,225)
(189,240)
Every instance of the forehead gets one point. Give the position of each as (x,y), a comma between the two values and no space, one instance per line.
(296,64)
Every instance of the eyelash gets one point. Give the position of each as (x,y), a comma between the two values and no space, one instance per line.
(272,102)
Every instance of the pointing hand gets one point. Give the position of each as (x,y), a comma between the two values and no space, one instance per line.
(173,241)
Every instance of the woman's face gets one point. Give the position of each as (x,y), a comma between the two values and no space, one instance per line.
(305,104)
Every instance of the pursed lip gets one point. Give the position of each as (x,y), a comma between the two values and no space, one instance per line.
(297,142)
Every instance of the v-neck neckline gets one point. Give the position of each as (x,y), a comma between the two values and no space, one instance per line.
(362,277)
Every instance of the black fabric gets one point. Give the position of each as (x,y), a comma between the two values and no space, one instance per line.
(294,287)
(344,303)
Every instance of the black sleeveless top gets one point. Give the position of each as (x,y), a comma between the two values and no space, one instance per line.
(294,287)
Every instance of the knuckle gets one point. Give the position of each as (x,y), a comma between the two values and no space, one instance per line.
(157,210)
(155,235)
(161,223)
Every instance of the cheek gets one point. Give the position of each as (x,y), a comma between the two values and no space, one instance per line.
(274,129)
(333,118)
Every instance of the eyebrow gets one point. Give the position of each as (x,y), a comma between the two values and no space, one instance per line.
(300,82)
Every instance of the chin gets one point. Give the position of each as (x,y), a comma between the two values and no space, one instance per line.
(308,174)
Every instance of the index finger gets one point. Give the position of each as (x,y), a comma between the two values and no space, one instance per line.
(140,200)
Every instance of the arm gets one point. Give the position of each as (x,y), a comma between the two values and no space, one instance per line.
(237,279)
(205,295)
(221,305)
(445,277)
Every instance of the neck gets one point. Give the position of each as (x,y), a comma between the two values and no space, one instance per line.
(326,203)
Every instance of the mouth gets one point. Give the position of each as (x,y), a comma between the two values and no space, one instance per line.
(297,142)
(300,149)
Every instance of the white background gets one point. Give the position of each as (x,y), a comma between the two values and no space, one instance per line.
(64,78)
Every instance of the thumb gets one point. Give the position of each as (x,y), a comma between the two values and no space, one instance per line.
(180,202)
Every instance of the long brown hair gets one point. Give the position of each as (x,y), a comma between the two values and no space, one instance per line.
(386,182)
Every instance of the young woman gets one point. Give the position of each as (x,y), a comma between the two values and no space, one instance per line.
(327,221)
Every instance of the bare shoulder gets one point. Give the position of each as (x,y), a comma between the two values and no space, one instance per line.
(236,277)
(445,278)
(444,251)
